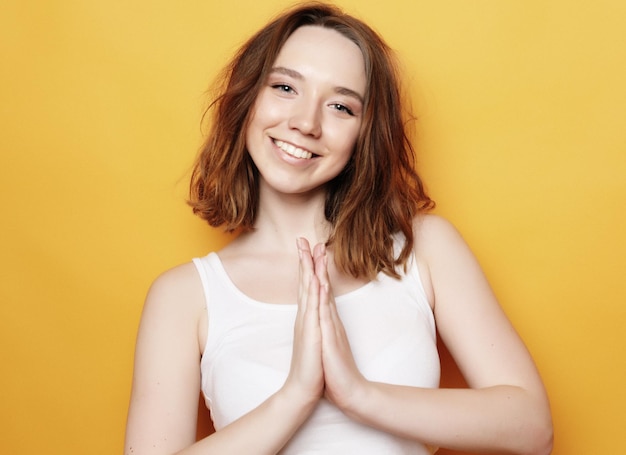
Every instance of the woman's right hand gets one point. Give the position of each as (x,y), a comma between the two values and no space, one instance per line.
(306,376)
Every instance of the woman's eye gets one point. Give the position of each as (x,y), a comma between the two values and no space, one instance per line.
(343,108)
(283,88)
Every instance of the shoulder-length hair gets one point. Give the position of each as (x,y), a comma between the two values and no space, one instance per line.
(378,193)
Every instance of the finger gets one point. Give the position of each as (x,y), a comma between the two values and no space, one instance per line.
(311,333)
(326,301)
(321,264)
(336,320)
(306,268)
(328,306)
(319,250)
(326,319)
(305,255)
(313,297)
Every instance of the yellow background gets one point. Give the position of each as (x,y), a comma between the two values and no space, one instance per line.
(522,142)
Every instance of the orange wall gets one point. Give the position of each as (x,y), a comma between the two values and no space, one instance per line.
(522,142)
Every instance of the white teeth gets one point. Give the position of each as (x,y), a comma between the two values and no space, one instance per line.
(293,150)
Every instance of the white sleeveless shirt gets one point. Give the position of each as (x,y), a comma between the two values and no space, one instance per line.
(391,330)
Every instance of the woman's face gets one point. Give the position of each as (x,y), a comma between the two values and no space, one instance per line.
(307,116)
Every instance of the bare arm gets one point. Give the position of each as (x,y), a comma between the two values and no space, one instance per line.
(504,411)
(163,408)
(166,381)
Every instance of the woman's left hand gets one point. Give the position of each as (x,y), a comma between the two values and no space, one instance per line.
(342,378)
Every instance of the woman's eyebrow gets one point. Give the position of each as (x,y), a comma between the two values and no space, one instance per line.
(287,72)
(296,75)
(351,93)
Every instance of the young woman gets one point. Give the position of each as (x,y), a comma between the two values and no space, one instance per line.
(314,330)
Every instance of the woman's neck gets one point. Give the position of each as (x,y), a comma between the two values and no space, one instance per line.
(283,218)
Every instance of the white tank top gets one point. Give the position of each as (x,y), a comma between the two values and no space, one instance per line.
(391,330)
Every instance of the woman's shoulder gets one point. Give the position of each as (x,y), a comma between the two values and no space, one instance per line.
(434,234)
(438,247)
(177,288)
(178,277)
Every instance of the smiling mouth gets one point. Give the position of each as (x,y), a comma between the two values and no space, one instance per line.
(294,151)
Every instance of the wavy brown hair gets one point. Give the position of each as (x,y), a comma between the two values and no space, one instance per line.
(376,195)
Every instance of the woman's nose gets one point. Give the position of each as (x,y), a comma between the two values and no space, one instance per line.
(305,117)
